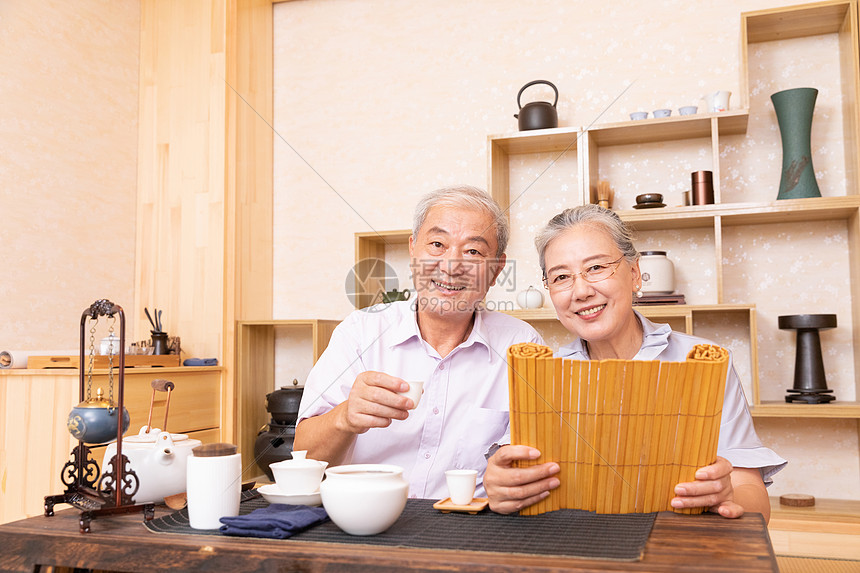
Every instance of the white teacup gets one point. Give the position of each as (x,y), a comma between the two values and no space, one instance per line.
(461,485)
(688,110)
(299,475)
(637,115)
(661,112)
(414,392)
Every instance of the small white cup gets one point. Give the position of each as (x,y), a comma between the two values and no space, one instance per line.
(461,485)
(661,112)
(414,392)
(688,110)
(637,115)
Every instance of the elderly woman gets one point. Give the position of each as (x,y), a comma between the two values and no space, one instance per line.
(591,269)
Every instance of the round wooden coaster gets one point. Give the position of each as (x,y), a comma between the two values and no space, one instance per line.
(797,500)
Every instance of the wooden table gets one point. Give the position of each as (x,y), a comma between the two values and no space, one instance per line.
(121,543)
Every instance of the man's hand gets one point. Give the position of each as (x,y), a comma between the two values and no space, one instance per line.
(373,402)
(712,489)
(510,489)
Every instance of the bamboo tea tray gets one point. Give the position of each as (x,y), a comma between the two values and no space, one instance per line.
(131,361)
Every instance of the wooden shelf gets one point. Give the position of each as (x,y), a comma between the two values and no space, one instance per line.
(537,140)
(655,311)
(850,410)
(734,214)
(669,128)
(623,133)
(796,22)
(830,528)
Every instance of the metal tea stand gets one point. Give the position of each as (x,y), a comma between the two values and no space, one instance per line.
(112,492)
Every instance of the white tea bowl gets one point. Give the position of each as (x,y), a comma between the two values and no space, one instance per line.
(299,475)
(364,499)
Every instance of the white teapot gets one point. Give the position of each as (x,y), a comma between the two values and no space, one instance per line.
(159,459)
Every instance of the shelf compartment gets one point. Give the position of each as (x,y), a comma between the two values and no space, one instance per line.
(795,22)
(669,128)
(255,374)
(834,410)
(370,247)
(537,140)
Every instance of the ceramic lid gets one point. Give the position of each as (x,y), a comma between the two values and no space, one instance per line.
(299,460)
(149,438)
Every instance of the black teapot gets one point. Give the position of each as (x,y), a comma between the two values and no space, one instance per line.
(274,441)
(537,114)
(284,402)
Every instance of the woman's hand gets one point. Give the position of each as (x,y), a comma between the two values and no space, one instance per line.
(712,489)
(509,488)
(725,490)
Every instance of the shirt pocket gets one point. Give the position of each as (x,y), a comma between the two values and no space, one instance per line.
(485,427)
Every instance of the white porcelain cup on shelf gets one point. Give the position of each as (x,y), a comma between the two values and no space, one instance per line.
(461,485)
(414,392)
(214,488)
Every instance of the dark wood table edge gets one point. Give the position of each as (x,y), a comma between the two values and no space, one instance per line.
(741,545)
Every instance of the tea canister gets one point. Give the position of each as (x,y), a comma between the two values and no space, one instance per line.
(658,273)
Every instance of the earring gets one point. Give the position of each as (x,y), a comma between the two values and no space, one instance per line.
(639,293)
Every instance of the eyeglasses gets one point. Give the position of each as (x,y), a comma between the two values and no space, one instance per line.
(561,280)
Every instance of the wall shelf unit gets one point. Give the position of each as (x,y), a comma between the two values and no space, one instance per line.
(721,223)
(255,374)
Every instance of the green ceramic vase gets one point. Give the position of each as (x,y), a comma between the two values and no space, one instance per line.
(794,114)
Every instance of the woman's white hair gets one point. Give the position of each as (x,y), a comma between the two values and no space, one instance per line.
(466,197)
(591,215)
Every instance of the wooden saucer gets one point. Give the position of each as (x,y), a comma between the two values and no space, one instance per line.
(447,506)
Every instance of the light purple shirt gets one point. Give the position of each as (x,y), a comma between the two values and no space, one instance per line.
(738,441)
(464,408)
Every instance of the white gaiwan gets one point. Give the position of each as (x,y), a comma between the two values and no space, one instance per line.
(530,298)
(299,475)
(364,499)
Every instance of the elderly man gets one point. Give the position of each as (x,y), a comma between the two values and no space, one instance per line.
(351,410)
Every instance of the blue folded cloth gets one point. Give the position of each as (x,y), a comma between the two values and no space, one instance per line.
(278,521)
(200,362)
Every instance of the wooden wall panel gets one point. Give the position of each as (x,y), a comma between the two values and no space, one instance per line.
(204,235)
(180,246)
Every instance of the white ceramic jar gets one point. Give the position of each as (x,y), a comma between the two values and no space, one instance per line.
(530,298)
(658,273)
(214,488)
(364,499)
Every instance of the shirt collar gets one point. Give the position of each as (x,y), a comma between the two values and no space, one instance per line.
(405,327)
(655,339)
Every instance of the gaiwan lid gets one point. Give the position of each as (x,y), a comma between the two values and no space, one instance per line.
(300,460)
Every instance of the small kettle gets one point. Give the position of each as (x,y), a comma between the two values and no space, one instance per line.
(537,114)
